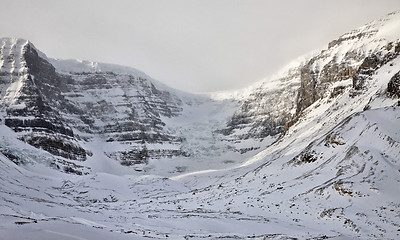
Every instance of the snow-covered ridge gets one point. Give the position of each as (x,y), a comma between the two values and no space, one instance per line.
(346,57)
(76,66)
(268,105)
(271,82)
(368,39)
(388,27)
(83,66)
(11,55)
(13,63)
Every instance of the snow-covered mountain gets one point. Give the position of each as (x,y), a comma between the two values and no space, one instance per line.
(61,105)
(91,150)
(278,100)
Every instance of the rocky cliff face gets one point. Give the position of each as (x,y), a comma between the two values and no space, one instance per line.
(32,100)
(123,108)
(355,55)
(264,112)
(393,88)
(271,108)
(55,110)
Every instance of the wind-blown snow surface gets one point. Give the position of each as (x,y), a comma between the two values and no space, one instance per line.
(334,174)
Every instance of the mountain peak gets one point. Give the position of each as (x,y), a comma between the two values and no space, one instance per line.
(11,55)
(12,52)
(390,25)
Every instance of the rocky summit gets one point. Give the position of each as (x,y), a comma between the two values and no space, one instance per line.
(92,150)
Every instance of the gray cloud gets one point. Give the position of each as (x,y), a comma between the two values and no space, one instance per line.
(193,45)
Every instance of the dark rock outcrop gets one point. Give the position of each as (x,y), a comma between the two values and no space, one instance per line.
(367,68)
(393,88)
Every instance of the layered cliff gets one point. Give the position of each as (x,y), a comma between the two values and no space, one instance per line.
(57,110)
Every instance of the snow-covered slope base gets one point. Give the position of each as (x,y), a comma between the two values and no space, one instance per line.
(343,185)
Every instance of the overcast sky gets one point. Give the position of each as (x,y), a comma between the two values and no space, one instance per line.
(192,45)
